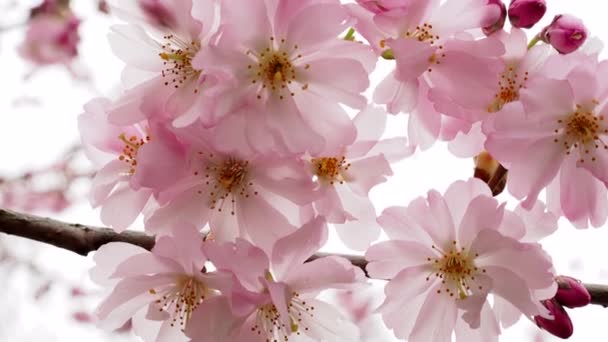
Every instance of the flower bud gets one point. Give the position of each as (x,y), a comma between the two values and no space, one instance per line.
(571,292)
(526,13)
(496,21)
(560,325)
(566,33)
(384,6)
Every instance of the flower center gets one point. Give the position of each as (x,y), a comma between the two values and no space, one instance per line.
(274,69)
(269,323)
(129,151)
(422,33)
(177,58)
(226,178)
(582,130)
(180,300)
(330,169)
(509,84)
(456,269)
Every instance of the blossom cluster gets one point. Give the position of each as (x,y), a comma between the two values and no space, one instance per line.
(235,138)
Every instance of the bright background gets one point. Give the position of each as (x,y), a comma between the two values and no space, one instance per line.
(38,122)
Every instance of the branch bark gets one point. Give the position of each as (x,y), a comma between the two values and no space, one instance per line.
(83,239)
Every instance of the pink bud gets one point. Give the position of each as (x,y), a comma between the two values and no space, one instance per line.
(561,325)
(571,292)
(526,13)
(389,7)
(566,33)
(496,20)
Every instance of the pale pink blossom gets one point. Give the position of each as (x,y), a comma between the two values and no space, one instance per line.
(296,74)
(429,39)
(158,56)
(237,191)
(558,129)
(344,177)
(129,163)
(497,83)
(278,298)
(446,254)
(51,38)
(158,290)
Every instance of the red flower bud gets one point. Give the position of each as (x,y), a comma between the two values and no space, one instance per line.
(496,21)
(571,292)
(560,325)
(526,13)
(566,33)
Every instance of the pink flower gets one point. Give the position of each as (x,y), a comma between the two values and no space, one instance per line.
(345,177)
(238,192)
(386,7)
(295,74)
(159,71)
(427,40)
(497,82)
(51,38)
(278,298)
(526,13)
(558,129)
(130,164)
(566,33)
(158,290)
(446,254)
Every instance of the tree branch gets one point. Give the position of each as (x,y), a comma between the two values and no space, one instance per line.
(83,239)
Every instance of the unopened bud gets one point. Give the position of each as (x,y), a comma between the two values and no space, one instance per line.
(496,21)
(560,325)
(384,6)
(566,33)
(571,292)
(526,13)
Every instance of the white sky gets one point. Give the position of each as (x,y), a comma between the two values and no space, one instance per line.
(35,134)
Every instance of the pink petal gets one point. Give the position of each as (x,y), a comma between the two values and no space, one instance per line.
(482,213)
(295,248)
(123,206)
(321,274)
(364,174)
(399,97)
(330,21)
(386,259)
(108,257)
(436,319)
(534,169)
(538,89)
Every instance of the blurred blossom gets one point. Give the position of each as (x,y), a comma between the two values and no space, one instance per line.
(566,33)
(52,34)
(526,13)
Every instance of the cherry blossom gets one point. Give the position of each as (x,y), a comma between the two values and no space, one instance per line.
(277,301)
(560,126)
(446,254)
(497,84)
(128,160)
(159,71)
(295,74)
(51,38)
(344,179)
(237,191)
(158,290)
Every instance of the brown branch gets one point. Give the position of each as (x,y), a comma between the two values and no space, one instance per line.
(74,237)
(83,239)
